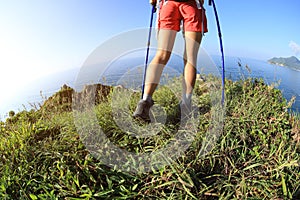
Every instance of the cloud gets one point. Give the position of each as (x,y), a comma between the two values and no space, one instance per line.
(295,47)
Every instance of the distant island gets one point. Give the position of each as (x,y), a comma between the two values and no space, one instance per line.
(290,62)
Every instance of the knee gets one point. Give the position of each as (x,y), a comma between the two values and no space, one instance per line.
(162,57)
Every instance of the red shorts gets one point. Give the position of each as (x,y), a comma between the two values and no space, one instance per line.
(172,13)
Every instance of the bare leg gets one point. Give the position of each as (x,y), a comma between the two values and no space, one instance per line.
(192,44)
(166,40)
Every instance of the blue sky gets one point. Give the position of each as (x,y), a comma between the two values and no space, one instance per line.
(40,37)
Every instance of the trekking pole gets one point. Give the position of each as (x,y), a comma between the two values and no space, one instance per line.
(212,2)
(148,48)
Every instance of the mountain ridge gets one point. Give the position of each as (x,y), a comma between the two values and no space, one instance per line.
(290,62)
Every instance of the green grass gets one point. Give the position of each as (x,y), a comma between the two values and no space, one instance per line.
(255,157)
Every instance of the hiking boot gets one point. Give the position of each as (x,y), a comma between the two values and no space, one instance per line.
(185,109)
(142,111)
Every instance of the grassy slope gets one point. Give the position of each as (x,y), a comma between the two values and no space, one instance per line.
(256,157)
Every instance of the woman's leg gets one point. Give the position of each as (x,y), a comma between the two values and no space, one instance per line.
(192,45)
(166,40)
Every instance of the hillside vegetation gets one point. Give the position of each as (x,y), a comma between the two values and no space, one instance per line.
(256,156)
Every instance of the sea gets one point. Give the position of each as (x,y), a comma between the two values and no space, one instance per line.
(128,72)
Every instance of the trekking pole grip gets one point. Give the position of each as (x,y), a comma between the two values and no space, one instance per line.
(153,8)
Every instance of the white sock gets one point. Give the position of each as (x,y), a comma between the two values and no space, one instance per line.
(187,98)
(147,97)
